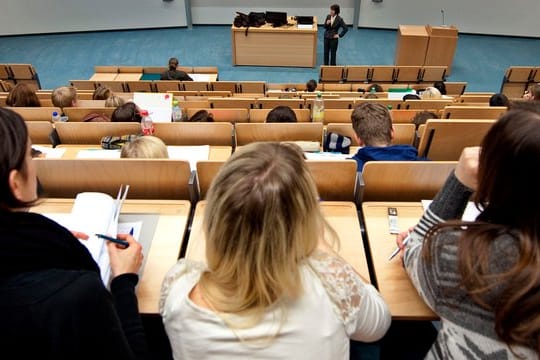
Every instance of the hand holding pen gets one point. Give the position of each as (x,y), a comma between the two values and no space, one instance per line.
(402,240)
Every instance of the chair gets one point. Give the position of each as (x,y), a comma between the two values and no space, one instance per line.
(4,72)
(259,115)
(270,103)
(139,86)
(433,73)
(336,87)
(163,86)
(446,139)
(206,172)
(357,73)
(83,84)
(25,73)
(408,73)
(473,112)
(194,104)
(331,73)
(471,98)
(39,131)
(518,74)
(403,180)
(252,87)
(337,116)
(224,86)
(255,132)
(194,86)
(333,103)
(215,93)
(77,114)
(224,115)
(536,78)
(205,70)
(162,179)
(186,133)
(88,133)
(116,86)
(455,88)
(3,101)
(232,103)
(404,134)
(36,113)
(427,104)
(335,180)
(383,74)
(403,116)
(154,69)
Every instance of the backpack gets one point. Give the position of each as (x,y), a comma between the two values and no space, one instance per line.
(255,19)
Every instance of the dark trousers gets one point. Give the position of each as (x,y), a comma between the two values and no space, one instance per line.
(330,50)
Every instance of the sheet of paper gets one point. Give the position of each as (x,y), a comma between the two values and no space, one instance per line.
(193,154)
(305,26)
(201,77)
(98,154)
(133,228)
(159,105)
(470,214)
(50,153)
(326,156)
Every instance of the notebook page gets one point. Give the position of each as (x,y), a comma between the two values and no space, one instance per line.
(193,154)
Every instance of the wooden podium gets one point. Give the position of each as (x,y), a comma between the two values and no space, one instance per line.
(412,43)
(441,46)
(419,45)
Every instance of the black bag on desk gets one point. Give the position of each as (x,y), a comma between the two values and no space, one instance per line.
(241,20)
(255,19)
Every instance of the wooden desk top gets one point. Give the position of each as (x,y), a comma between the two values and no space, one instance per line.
(104,77)
(217,153)
(342,216)
(128,77)
(164,246)
(290,27)
(393,282)
(413,30)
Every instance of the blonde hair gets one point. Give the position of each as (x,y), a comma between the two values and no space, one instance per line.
(114,101)
(145,147)
(64,96)
(431,93)
(262,221)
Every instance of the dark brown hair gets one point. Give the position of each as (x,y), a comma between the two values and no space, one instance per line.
(423,116)
(22,96)
(311,85)
(508,191)
(101,93)
(535,89)
(372,123)
(336,8)
(126,113)
(173,63)
(201,116)
(13,146)
(281,114)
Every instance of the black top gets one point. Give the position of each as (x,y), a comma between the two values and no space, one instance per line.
(333,29)
(53,303)
(175,75)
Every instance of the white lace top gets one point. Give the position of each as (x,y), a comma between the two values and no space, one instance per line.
(336,305)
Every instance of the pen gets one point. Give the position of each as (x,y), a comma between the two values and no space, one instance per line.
(114,240)
(132,231)
(395,252)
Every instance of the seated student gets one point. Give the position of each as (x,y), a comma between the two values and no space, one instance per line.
(311,85)
(129,112)
(201,116)
(272,287)
(145,147)
(373,130)
(281,114)
(441,86)
(102,93)
(64,96)
(370,95)
(422,117)
(21,95)
(499,100)
(114,101)
(54,304)
(481,278)
(173,74)
(411,97)
(533,93)
(430,93)
(375,88)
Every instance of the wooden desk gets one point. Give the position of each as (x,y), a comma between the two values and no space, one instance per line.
(217,153)
(161,244)
(392,280)
(281,46)
(342,216)
(104,77)
(128,77)
(412,43)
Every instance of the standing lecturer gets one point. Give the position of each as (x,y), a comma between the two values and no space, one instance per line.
(331,35)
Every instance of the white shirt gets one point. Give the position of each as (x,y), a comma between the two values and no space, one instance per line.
(336,305)
(332,18)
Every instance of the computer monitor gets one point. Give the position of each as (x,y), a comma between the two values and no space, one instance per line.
(276,18)
(304,20)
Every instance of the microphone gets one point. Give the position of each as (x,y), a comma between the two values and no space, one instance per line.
(442,13)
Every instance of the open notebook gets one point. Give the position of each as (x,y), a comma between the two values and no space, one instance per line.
(470,213)
(97,213)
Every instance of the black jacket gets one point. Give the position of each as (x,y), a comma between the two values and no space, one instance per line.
(333,29)
(53,303)
(175,75)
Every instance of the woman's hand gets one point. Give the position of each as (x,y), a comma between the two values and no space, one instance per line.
(80,235)
(125,260)
(467,167)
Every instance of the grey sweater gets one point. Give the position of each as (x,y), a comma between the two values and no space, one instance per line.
(468,330)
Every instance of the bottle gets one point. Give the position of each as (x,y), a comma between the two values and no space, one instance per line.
(176,112)
(389,107)
(55,116)
(318,109)
(147,125)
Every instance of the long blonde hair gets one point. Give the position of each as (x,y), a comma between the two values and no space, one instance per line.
(262,222)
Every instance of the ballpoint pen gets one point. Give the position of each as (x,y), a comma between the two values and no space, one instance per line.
(114,240)
(396,251)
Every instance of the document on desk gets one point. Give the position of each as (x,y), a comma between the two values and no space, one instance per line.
(193,154)
(326,156)
(98,154)
(49,152)
(159,106)
(470,213)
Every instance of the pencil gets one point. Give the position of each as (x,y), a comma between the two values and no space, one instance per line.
(114,240)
